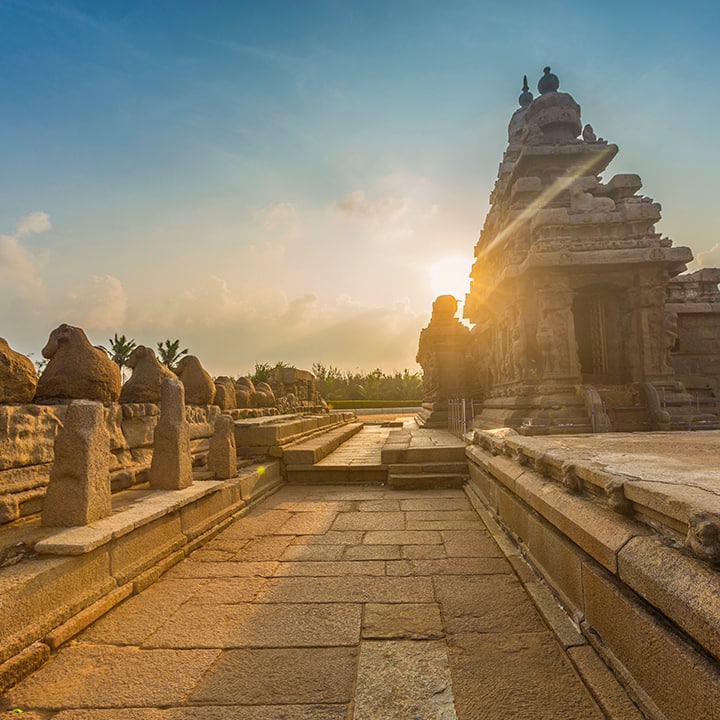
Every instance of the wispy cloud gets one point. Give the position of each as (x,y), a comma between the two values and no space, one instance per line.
(34,222)
(20,268)
(96,303)
(382,207)
(709,258)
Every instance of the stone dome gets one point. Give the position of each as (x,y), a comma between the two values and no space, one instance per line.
(552,118)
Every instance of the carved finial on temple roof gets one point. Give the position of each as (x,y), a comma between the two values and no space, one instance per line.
(526,97)
(548,82)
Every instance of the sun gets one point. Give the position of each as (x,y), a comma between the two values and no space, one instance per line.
(448,275)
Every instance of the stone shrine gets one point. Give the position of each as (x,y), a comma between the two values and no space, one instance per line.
(568,288)
(443,355)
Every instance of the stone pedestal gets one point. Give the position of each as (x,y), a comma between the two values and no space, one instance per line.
(79,489)
(222,457)
(171,467)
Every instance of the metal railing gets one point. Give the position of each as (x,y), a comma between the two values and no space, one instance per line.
(460,415)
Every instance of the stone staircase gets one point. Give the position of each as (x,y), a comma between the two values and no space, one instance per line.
(422,459)
(404,458)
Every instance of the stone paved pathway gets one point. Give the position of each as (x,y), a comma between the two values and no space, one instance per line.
(324,603)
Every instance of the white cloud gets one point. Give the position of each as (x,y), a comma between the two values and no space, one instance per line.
(34,222)
(709,258)
(20,268)
(382,207)
(97,303)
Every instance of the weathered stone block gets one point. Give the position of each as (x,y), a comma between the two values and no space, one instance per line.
(27,434)
(79,488)
(683,683)
(37,597)
(201,515)
(684,589)
(171,467)
(145,546)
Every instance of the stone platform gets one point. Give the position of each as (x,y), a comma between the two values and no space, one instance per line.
(327,603)
(563,565)
(625,529)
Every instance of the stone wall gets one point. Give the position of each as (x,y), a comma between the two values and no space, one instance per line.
(627,542)
(27,434)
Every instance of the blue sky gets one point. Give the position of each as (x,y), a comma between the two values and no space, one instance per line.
(298,180)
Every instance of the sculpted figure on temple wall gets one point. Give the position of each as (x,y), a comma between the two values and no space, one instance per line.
(77,370)
(551,337)
(148,372)
(519,350)
(18,378)
(671,336)
(582,198)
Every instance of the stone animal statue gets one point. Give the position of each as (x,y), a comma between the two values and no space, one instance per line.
(703,536)
(582,198)
(77,370)
(148,373)
(225,393)
(245,393)
(264,395)
(18,378)
(199,386)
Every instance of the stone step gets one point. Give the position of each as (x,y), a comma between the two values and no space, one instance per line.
(426,481)
(308,452)
(336,474)
(268,436)
(452,468)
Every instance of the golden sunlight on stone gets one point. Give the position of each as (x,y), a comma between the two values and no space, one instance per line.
(448,275)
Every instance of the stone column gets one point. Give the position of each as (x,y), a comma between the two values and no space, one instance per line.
(79,489)
(222,458)
(171,467)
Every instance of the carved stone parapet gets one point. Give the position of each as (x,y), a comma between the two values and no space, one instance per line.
(703,536)
(570,479)
(616,500)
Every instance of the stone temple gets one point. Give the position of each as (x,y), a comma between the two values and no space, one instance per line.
(581,319)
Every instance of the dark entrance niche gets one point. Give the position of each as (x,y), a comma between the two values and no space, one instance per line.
(598,334)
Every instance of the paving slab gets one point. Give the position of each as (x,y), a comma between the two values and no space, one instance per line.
(499,676)
(279,676)
(409,621)
(258,625)
(415,681)
(96,676)
(308,608)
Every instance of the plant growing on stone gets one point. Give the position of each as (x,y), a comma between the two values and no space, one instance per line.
(263,370)
(119,351)
(170,352)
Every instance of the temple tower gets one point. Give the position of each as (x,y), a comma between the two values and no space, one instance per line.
(567,293)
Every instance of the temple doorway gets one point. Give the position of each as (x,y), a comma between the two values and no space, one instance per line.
(598,335)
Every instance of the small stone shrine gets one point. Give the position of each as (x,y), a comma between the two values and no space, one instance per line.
(568,288)
(443,355)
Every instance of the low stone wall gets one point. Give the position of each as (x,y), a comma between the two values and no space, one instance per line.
(27,435)
(613,547)
(77,574)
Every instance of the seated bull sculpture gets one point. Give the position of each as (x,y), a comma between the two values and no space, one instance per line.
(77,370)
(18,378)
(147,377)
(199,386)
(225,393)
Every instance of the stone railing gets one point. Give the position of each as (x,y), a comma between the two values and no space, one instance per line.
(27,436)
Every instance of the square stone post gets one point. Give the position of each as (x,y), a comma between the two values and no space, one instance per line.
(222,458)
(171,467)
(79,489)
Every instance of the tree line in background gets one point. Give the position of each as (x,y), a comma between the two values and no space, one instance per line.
(332,383)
